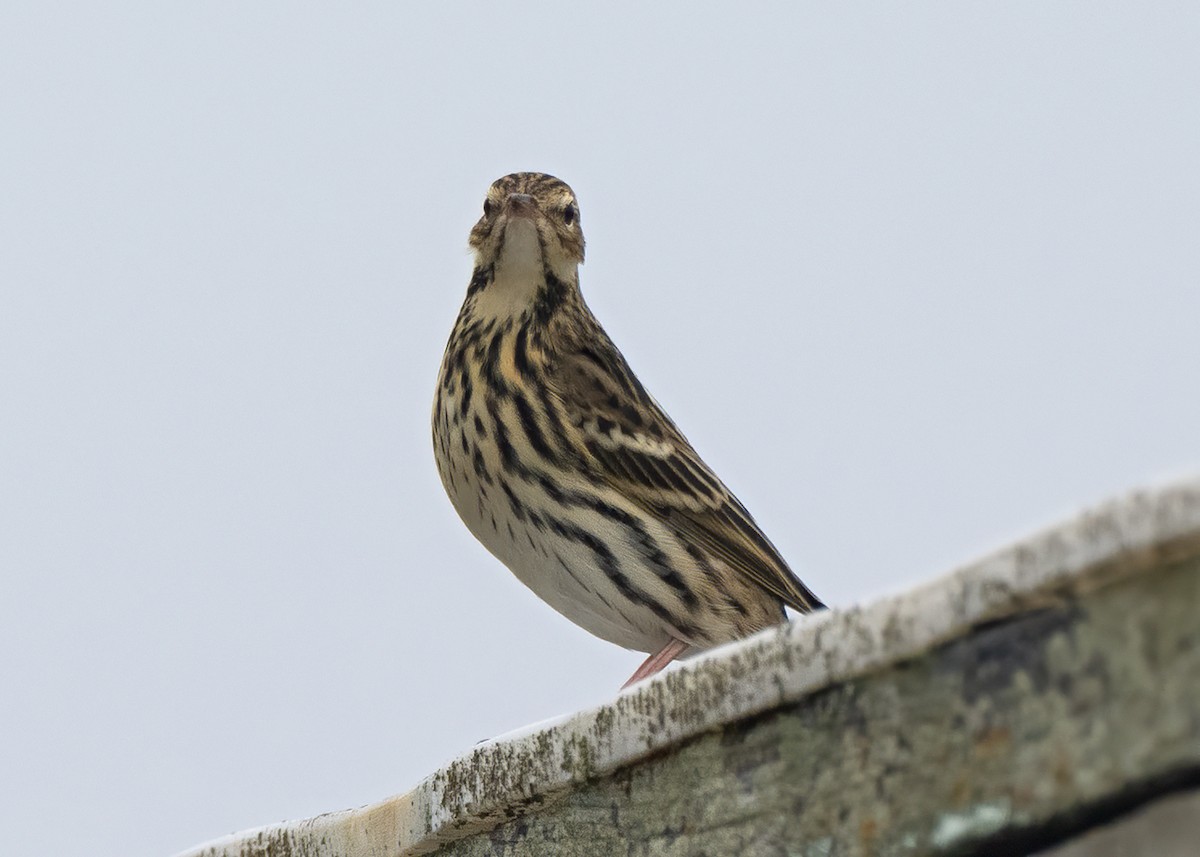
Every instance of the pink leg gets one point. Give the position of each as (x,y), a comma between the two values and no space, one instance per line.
(657,661)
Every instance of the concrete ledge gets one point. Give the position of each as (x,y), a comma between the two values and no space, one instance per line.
(1000,709)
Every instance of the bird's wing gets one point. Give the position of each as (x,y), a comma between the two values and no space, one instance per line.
(635,447)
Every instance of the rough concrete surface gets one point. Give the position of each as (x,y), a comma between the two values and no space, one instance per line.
(1002,709)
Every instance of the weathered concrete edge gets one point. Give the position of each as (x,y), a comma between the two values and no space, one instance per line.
(507,775)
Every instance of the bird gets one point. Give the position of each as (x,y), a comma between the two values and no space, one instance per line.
(566,469)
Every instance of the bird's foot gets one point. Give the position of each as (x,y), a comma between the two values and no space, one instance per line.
(655,663)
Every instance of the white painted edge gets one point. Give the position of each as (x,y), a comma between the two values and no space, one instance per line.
(742,679)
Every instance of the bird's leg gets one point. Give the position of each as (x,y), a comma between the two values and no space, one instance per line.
(653,664)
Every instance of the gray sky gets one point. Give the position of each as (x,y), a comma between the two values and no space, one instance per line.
(915,281)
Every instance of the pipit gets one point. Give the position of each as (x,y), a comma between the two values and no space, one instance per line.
(563,466)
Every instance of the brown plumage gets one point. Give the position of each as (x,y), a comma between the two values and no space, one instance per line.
(561,463)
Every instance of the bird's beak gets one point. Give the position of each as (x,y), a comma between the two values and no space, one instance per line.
(521,205)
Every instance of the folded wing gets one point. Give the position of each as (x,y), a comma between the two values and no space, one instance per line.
(630,443)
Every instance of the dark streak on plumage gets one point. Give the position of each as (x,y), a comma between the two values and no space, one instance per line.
(609,564)
(480,277)
(521,354)
(518,508)
(464,402)
(529,425)
(508,455)
(480,468)
(551,297)
(491,369)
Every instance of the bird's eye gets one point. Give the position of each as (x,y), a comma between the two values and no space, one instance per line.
(488,207)
(570,213)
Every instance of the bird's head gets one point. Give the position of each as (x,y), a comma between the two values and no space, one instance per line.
(529,228)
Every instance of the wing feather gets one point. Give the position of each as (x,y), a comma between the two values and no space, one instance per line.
(634,446)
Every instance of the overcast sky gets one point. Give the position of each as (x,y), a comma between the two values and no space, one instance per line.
(916,280)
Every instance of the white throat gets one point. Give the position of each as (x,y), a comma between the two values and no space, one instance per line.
(517,275)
